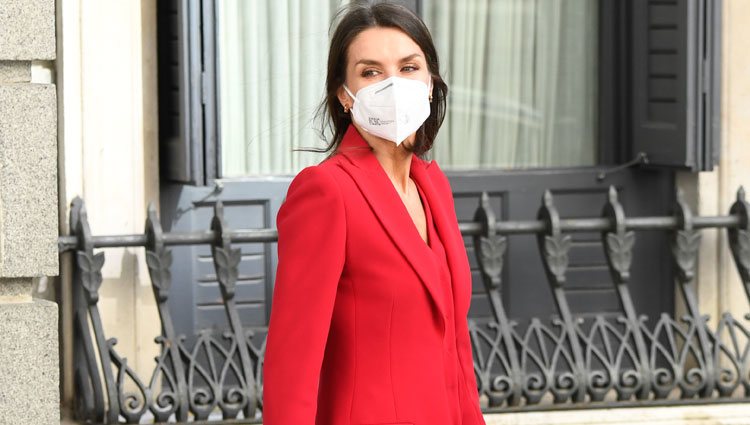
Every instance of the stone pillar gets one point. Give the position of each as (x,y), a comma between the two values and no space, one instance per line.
(29,366)
(712,193)
(734,169)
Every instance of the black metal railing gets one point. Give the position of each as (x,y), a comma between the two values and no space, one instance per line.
(562,362)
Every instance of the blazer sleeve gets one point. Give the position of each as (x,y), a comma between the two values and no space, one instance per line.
(472,412)
(311,250)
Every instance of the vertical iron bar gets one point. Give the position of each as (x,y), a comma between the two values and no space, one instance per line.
(226,262)
(739,243)
(159,261)
(554,247)
(490,249)
(89,266)
(619,253)
(90,393)
(739,239)
(685,246)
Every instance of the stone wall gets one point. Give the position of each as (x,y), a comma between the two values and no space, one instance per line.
(29,366)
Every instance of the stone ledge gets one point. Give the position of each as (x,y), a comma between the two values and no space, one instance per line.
(703,414)
(16,290)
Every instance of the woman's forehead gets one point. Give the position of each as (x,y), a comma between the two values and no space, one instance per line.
(382,44)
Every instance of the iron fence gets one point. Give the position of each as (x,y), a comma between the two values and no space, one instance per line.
(562,362)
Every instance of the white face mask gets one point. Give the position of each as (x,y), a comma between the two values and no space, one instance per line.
(392,109)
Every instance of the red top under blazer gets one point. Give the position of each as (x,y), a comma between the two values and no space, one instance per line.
(359,307)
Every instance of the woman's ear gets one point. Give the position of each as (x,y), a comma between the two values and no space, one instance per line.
(344,98)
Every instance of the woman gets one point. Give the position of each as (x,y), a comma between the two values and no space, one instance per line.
(368,319)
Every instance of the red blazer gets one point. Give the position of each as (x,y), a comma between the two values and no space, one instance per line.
(357,333)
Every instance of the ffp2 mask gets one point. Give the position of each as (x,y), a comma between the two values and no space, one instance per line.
(392,108)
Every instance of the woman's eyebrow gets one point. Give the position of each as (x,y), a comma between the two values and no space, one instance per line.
(374,62)
(410,57)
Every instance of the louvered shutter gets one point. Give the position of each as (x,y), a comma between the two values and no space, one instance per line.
(186,92)
(675,64)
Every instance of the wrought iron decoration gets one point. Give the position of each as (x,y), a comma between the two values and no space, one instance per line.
(563,359)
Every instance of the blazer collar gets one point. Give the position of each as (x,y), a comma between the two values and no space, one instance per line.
(378,190)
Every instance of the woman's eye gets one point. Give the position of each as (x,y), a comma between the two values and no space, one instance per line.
(409,68)
(369,73)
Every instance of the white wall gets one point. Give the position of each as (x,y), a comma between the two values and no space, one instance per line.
(712,193)
(108,154)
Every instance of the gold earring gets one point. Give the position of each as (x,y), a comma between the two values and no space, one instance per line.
(430,97)
(346,108)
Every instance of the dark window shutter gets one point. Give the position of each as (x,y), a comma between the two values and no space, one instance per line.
(186,151)
(712,81)
(675,82)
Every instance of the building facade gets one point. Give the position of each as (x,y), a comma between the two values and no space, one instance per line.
(127,103)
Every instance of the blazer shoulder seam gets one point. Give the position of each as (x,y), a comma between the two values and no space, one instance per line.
(319,169)
(332,182)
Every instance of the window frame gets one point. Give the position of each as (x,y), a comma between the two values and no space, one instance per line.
(201,129)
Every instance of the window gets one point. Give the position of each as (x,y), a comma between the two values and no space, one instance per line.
(272,61)
(542,83)
(521,75)
(522,78)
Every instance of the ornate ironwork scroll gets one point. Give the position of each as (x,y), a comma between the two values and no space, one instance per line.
(169,370)
(562,359)
(622,358)
(570,379)
(506,385)
(216,375)
(619,243)
(226,261)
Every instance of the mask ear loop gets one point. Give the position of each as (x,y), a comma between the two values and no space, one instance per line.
(346,107)
(349,93)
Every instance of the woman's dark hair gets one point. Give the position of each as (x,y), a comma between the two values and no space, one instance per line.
(355,18)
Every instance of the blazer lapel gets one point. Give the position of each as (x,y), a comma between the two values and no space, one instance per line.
(447,227)
(378,190)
